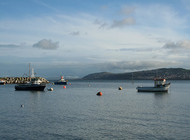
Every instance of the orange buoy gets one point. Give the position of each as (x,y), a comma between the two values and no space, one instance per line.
(64,86)
(99,93)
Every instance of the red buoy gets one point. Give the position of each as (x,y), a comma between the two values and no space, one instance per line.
(64,86)
(99,93)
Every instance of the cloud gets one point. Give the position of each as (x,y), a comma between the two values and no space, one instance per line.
(178,51)
(135,65)
(123,19)
(46,44)
(75,33)
(82,69)
(136,49)
(123,22)
(9,46)
(127,10)
(101,24)
(180,45)
(61,27)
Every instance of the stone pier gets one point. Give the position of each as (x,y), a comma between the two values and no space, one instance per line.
(20,80)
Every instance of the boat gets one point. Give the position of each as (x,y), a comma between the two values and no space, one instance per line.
(62,81)
(34,85)
(2,82)
(160,85)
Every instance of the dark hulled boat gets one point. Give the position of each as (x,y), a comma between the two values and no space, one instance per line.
(62,81)
(34,85)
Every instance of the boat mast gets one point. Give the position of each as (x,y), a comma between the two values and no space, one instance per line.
(29,72)
(32,75)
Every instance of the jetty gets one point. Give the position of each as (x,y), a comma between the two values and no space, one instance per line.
(20,80)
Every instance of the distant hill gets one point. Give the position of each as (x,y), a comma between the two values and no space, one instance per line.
(168,73)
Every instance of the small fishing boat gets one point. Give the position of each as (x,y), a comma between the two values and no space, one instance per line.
(160,85)
(62,81)
(2,82)
(34,85)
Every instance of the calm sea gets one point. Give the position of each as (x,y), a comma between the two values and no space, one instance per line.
(75,112)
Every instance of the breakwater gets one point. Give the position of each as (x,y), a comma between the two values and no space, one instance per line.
(20,80)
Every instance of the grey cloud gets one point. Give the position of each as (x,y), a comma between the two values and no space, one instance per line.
(46,44)
(128,20)
(180,45)
(126,10)
(101,24)
(123,22)
(82,69)
(76,33)
(9,46)
(134,65)
(136,49)
(116,23)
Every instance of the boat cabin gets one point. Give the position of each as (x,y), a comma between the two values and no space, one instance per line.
(62,78)
(159,81)
(36,81)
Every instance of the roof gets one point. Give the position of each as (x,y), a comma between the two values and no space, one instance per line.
(159,79)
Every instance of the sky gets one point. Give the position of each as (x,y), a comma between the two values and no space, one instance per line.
(78,37)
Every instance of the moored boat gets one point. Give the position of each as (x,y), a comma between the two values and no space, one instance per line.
(34,85)
(62,81)
(160,85)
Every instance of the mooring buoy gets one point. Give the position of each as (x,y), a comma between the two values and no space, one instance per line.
(99,93)
(120,88)
(50,89)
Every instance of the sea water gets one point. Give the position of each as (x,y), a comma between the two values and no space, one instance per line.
(76,112)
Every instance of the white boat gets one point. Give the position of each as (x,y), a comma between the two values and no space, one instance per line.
(160,85)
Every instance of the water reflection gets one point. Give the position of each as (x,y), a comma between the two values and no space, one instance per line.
(157,95)
(38,92)
(160,93)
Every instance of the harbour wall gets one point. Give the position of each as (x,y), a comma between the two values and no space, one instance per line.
(20,80)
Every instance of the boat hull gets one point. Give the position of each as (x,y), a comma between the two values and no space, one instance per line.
(153,89)
(60,83)
(30,87)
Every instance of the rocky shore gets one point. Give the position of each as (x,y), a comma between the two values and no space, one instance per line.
(20,80)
